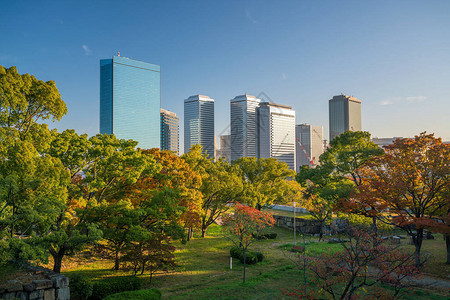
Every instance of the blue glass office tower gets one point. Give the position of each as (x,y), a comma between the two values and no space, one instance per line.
(130,100)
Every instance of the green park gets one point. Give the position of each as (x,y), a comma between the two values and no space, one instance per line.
(120,222)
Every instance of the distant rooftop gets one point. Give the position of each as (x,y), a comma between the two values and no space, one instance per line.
(343,96)
(275,105)
(245,97)
(198,97)
(168,112)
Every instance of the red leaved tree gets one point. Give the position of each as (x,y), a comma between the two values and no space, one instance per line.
(358,271)
(245,224)
(409,187)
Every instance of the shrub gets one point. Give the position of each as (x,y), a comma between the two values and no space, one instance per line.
(80,287)
(235,252)
(251,257)
(151,294)
(113,285)
(266,236)
(259,256)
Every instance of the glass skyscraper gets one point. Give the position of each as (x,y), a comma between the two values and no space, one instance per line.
(169,131)
(276,132)
(199,123)
(130,100)
(243,126)
(345,114)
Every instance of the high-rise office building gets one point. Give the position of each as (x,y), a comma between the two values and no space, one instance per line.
(276,132)
(130,100)
(169,131)
(345,114)
(199,123)
(309,144)
(224,151)
(243,126)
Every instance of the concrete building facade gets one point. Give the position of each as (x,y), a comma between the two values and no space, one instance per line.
(309,144)
(344,115)
(276,132)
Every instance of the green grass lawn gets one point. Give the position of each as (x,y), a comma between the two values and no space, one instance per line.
(204,269)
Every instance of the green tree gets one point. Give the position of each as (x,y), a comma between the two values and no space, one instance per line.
(321,192)
(345,157)
(25,100)
(221,184)
(265,181)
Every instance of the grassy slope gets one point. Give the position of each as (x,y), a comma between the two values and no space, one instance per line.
(204,272)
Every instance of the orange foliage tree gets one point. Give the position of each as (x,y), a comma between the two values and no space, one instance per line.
(245,224)
(178,175)
(409,187)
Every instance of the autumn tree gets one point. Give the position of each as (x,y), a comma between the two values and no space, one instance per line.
(412,181)
(264,181)
(177,174)
(245,224)
(358,271)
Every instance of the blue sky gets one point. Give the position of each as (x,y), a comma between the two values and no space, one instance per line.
(393,55)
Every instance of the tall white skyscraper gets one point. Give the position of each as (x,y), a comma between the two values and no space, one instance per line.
(199,123)
(345,114)
(309,144)
(276,132)
(243,126)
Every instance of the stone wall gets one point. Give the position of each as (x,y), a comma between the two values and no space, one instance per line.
(39,284)
(303,225)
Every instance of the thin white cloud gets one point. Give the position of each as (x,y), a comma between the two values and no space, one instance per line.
(86,49)
(416,99)
(403,100)
(250,17)
(283,76)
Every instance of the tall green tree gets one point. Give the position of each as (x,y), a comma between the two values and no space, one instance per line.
(221,184)
(345,157)
(265,181)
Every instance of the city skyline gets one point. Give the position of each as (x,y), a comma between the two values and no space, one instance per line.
(391,55)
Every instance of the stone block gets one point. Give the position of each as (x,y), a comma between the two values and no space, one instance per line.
(49,294)
(60,281)
(9,296)
(22,295)
(36,294)
(43,284)
(63,294)
(14,286)
(29,287)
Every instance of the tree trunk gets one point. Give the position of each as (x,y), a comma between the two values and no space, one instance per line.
(374,226)
(57,258)
(417,240)
(321,230)
(245,261)
(204,231)
(116,261)
(447,242)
